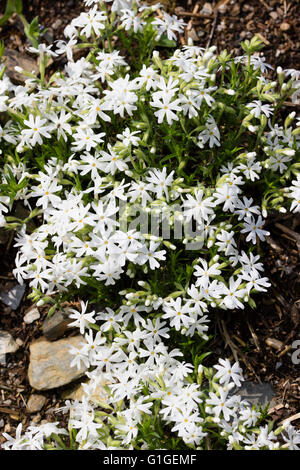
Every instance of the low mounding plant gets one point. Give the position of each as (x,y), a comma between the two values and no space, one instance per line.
(148,172)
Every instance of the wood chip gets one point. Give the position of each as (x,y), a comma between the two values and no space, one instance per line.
(264,40)
(285,26)
(274,343)
(290,419)
(275,408)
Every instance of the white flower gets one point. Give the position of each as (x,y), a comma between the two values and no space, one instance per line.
(178,314)
(233,293)
(255,229)
(198,207)
(226,372)
(167,108)
(221,404)
(150,254)
(91,22)
(168,25)
(159,181)
(257,108)
(81,319)
(37,130)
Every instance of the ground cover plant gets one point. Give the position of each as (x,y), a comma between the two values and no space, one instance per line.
(149,171)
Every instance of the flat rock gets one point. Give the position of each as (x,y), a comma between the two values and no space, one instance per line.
(15,58)
(55,326)
(35,403)
(13,297)
(7,344)
(32,315)
(49,365)
(256,394)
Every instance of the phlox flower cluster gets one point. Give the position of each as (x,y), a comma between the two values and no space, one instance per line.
(139,372)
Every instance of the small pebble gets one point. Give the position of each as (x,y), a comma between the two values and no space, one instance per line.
(285,26)
(207,9)
(32,315)
(56,24)
(274,343)
(35,403)
(222,8)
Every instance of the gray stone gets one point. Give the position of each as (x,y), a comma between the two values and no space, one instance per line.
(15,58)
(207,9)
(192,34)
(7,344)
(50,363)
(35,403)
(55,326)
(13,297)
(57,23)
(48,36)
(256,394)
(32,315)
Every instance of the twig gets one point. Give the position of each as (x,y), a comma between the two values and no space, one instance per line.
(255,338)
(23,399)
(285,350)
(285,385)
(202,15)
(287,237)
(9,411)
(212,32)
(292,105)
(222,2)
(294,235)
(265,5)
(265,40)
(239,340)
(194,15)
(275,408)
(290,419)
(228,342)
(275,343)
(5,387)
(190,23)
(234,348)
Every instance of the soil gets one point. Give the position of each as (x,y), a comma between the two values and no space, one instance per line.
(229,22)
(249,335)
